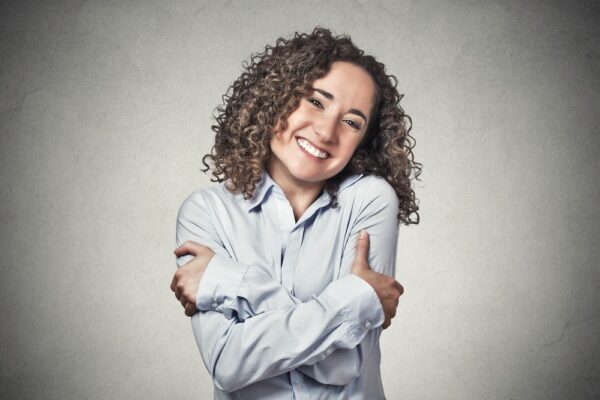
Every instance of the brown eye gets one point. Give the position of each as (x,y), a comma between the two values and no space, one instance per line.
(315,102)
(353,124)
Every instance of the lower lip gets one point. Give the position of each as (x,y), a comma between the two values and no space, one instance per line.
(310,155)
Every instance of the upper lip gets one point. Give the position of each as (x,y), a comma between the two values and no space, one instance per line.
(313,145)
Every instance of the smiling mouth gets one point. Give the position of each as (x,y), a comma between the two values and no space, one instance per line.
(311,150)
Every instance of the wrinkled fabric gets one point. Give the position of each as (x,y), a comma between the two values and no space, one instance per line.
(280,315)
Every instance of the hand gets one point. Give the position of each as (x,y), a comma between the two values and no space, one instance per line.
(187,278)
(387,288)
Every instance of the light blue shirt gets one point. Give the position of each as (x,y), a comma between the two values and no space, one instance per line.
(280,315)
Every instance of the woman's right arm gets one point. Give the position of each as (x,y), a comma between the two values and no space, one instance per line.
(238,354)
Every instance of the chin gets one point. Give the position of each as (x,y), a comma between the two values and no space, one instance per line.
(311,178)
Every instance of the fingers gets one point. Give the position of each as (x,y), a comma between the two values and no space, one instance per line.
(387,323)
(388,318)
(188,247)
(399,287)
(400,290)
(391,314)
(190,309)
(183,297)
(174,285)
(182,283)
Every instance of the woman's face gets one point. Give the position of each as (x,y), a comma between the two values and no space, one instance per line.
(325,129)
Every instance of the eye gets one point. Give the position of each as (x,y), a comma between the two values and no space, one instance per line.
(315,102)
(353,124)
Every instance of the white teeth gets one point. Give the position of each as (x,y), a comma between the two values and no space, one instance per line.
(311,149)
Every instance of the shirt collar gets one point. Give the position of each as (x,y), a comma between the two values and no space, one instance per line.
(260,192)
(266,184)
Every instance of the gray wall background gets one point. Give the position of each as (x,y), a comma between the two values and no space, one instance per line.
(105,111)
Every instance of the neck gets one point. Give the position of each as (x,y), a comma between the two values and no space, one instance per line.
(299,193)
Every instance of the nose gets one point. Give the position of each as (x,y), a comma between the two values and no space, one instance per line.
(325,127)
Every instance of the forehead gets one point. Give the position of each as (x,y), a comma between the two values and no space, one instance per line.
(350,84)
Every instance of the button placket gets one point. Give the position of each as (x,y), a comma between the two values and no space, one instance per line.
(291,258)
(285,218)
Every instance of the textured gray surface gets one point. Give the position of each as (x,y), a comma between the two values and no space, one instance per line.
(105,111)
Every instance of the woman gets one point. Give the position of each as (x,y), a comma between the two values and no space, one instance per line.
(311,149)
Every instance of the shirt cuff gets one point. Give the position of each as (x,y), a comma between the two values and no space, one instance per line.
(359,302)
(220,283)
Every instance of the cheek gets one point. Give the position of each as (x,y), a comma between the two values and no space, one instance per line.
(281,144)
(275,144)
(351,147)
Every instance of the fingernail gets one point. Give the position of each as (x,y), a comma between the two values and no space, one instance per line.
(362,234)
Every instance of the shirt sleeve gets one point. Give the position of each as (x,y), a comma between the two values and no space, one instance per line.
(334,329)
(237,354)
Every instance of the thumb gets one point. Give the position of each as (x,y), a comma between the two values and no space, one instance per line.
(188,247)
(362,249)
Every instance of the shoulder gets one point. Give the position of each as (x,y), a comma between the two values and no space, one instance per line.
(374,189)
(370,198)
(208,198)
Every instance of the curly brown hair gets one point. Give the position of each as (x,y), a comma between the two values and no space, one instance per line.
(270,89)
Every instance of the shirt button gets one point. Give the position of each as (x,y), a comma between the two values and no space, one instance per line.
(329,351)
(214,305)
(368,325)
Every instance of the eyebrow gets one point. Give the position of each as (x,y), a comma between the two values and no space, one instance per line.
(329,96)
